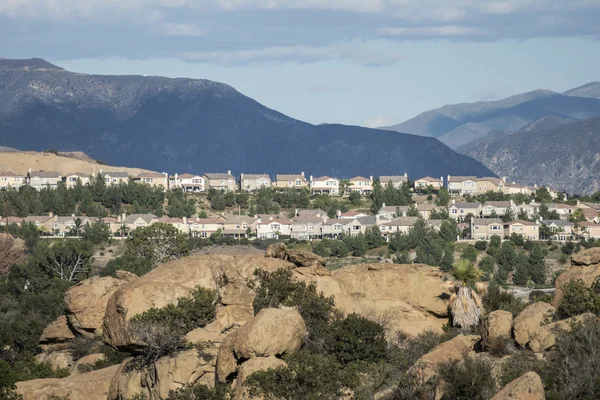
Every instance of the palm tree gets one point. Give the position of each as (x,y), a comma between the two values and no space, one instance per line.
(78,223)
(465,303)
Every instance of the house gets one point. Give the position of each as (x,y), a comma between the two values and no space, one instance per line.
(312,213)
(462,185)
(238,225)
(334,227)
(564,211)
(114,224)
(459,210)
(115,177)
(42,222)
(291,181)
(360,224)
(426,209)
(361,185)
(43,179)
(11,180)
(589,230)
(181,224)
(491,184)
(324,185)
(560,229)
(389,212)
(529,230)
(531,209)
(220,181)
(62,226)
(10,221)
(515,188)
(591,215)
(189,183)
(306,228)
(485,228)
(134,221)
(204,227)
(154,179)
(497,208)
(273,228)
(400,224)
(71,179)
(351,214)
(427,182)
(252,182)
(396,180)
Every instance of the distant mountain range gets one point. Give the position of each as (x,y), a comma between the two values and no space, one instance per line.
(461,124)
(196,125)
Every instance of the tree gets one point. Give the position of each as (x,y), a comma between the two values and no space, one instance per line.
(355,199)
(449,230)
(96,232)
(344,185)
(521,275)
(373,237)
(68,260)
(157,243)
(542,195)
(412,211)
(537,265)
(508,216)
(465,303)
(443,197)
(376,198)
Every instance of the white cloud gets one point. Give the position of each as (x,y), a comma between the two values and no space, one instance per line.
(181,30)
(378,121)
(429,31)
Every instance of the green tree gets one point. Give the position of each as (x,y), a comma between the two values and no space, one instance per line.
(537,264)
(157,243)
(376,198)
(356,338)
(465,303)
(412,211)
(542,195)
(443,197)
(97,232)
(373,237)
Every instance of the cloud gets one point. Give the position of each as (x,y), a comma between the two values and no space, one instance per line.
(429,31)
(356,51)
(378,121)
(181,30)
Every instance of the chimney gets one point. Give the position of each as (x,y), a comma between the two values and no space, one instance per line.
(453,201)
(338,213)
(228,172)
(296,212)
(302,173)
(405,175)
(371,178)
(51,214)
(442,180)
(123,217)
(29,171)
(72,215)
(185,220)
(382,205)
(310,178)
(376,219)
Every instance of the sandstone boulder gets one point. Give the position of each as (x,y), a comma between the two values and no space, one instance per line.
(411,298)
(586,257)
(236,294)
(304,258)
(86,304)
(453,351)
(57,332)
(226,361)
(90,386)
(276,250)
(272,332)
(546,337)
(126,383)
(499,326)
(251,366)
(88,360)
(126,275)
(56,359)
(12,250)
(587,273)
(530,320)
(168,282)
(526,387)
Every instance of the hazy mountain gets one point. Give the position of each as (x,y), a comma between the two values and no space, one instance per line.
(564,157)
(468,122)
(196,125)
(591,89)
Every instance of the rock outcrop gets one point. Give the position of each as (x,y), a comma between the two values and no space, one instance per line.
(56,359)
(57,332)
(86,304)
(453,351)
(167,283)
(12,250)
(545,337)
(90,386)
(499,326)
(585,265)
(86,361)
(526,387)
(530,320)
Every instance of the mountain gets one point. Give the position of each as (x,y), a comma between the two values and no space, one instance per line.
(196,125)
(468,122)
(591,89)
(564,157)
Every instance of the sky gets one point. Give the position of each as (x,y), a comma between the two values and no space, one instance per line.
(360,62)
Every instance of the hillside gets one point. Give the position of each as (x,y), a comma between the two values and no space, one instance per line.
(591,89)
(21,162)
(564,157)
(196,125)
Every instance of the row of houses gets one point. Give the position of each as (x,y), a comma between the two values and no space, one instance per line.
(457,185)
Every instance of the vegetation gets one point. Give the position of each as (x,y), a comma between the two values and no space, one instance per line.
(465,303)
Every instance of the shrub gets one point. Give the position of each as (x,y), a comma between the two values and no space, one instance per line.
(339,249)
(158,340)
(577,299)
(356,338)
(517,239)
(200,392)
(80,347)
(469,380)
(538,295)
(497,299)
(481,245)
(519,363)
(469,253)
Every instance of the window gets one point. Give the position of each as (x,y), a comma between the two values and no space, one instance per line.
(196,181)
(337,227)
(298,183)
(356,227)
(275,227)
(495,227)
(462,211)
(454,211)
(311,227)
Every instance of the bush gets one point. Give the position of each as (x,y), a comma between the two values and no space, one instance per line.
(497,299)
(469,380)
(519,363)
(577,299)
(355,338)
(481,245)
(538,295)
(469,253)
(517,239)
(80,347)
(200,392)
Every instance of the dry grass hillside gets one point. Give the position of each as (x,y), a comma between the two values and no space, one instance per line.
(21,162)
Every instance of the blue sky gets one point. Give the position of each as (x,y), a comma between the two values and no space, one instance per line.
(362,62)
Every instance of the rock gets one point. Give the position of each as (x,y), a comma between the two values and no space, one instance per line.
(546,337)
(530,320)
(586,257)
(90,360)
(168,282)
(126,383)
(304,258)
(526,387)
(236,294)
(90,386)
(86,304)
(126,275)
(233,316)
(56,359)
(411,298)
(587,273)
(226,362)
(276,250)
(251,366)
(188,367)
(453,351)
(272,332)
(499,326)
(12,250)
(57,332)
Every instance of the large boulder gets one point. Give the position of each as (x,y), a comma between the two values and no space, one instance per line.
(226,361)
(453,351)
(57,332)
(530,320)
(126,383)
(272,332)
(411,298)
(61,359)
(526,387)
(86,361)
(586,257)
(546,337)
(90,386)
(12,251)
(276,250)
(299,258)
(499,326)
(582,268)
(167,283)
(251,366)
(86,304)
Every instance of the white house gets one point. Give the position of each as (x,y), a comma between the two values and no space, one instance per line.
(324,185)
